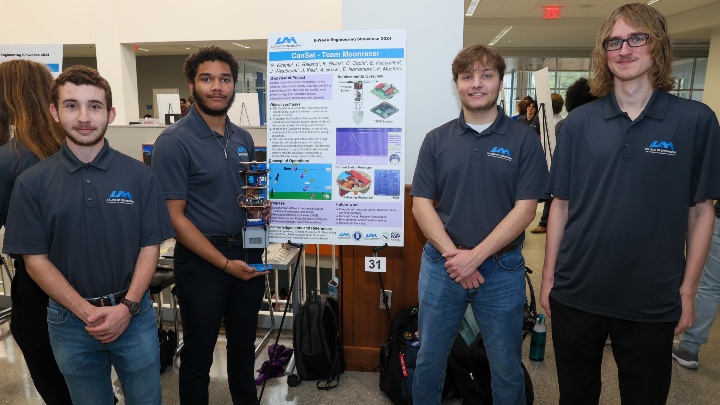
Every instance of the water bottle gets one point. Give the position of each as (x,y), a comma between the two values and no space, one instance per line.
(537,340)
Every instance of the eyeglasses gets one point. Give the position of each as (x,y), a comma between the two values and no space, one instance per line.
(633,41)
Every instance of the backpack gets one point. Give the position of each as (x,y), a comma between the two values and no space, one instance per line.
(468,374)
(530,314)
(317,344)
(398,356)
(167,340)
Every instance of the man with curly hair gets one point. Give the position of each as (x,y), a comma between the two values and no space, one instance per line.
(198,160)
(632,215)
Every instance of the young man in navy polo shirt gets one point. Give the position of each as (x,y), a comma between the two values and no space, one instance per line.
(633,178)
(89,222)
(487,173)
(198,161)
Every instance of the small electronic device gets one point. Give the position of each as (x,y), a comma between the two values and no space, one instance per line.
(261,267)
(254,202)
(384,109)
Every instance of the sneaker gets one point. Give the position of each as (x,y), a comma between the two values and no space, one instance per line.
(685,358)
(539,229)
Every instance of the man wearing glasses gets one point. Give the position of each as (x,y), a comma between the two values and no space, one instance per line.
(633,183)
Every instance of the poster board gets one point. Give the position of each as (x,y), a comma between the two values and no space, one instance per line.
(49,55)
(245,111)
(336,136)
(542,92)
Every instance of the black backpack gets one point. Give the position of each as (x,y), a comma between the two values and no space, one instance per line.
(398,356)
(468,374)
(167,340)
(316,339)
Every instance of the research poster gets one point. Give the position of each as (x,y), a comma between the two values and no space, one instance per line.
(336,137)
(49,55)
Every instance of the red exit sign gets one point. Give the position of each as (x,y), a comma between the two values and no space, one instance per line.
(552,12)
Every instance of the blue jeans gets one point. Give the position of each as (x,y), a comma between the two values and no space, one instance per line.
(498,308)
(85,362)
(707,300)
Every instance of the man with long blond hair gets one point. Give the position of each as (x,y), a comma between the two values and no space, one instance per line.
(632,216)
(24,100)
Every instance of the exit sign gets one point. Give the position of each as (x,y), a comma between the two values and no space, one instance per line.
(552,12)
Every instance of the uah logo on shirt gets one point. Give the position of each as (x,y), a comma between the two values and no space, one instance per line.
(500,153)
(120,197)
(243,154)
(661,148)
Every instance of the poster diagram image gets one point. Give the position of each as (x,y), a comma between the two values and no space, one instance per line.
(387,182)
(358,113)
(362,146)
(394,159)
(385,91)
(384,110)
(300,181)
(353,182)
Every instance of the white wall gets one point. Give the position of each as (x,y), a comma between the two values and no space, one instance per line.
(76,21)
(434,37)
(115,26)
(712,80)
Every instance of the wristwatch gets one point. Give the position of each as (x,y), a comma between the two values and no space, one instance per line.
(134,307)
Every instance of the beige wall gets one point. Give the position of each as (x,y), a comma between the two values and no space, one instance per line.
(711,95)
(74,21)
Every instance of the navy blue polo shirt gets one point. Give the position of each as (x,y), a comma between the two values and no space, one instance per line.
(90,219)
(477,177)
(190,163)
(629,185)
(14,159)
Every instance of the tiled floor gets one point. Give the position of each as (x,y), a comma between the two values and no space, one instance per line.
(701,387)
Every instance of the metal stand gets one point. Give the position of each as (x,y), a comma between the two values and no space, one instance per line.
(291,363)
(375,251)
(548,150)
(5,313)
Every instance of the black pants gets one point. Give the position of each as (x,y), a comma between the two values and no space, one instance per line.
(30,331)
(641,350)
(546,213)
(207,297)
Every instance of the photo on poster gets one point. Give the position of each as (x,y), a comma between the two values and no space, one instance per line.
(353,182)
(387,182)
(300,181)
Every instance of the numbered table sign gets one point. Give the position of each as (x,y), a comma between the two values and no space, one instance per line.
(376,264)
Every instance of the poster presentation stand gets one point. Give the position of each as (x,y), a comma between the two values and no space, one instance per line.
(336,136)
(375,251)
(292,292)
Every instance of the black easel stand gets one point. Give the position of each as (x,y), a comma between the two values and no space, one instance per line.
(375,251)
(282,320)
(546,133)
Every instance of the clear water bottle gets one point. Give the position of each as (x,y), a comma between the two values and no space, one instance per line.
(537,340)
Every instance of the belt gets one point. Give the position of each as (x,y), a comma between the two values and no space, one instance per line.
(506,249)
(225,241)
(106,301)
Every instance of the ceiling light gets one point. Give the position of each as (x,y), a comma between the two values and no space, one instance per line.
(187,48)
(142,49)
(652,2)
(471,8)
(241,45)
(501,34)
